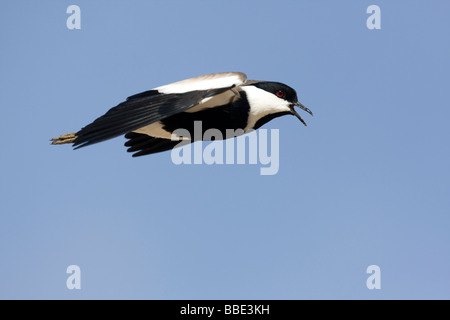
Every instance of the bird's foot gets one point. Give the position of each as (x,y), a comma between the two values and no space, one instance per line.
(64,138)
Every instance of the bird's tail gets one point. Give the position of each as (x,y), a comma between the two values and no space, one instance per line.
(64,138)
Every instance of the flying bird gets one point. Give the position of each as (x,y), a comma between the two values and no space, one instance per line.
(220,101)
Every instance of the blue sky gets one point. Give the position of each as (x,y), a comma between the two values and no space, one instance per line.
(366,183)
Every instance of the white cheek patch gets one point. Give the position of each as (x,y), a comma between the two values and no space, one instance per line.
(263,103)
(209,81)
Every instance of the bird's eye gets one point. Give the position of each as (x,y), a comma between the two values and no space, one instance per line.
(280,94)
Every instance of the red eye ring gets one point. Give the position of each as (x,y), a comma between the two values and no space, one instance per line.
(280,94)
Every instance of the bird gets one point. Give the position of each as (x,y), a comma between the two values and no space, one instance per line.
(222,101)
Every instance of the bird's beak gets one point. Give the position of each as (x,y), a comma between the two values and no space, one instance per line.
(298,104)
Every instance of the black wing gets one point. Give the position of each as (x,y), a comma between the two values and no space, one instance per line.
(138,111)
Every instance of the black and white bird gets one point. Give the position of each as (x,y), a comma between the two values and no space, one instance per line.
(220,101)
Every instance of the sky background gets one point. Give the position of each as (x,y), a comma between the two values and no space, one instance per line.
(367,182)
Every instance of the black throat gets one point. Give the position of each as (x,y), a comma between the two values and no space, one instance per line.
(269,117)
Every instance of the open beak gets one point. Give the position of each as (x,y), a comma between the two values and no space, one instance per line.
(298,104)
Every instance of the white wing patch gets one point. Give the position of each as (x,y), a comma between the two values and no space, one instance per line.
(205,82)
(214,101)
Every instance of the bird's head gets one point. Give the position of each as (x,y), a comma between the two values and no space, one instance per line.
(271,99)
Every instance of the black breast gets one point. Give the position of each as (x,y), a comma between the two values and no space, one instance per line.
(229,116)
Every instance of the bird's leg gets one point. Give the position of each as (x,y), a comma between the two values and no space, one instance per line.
(64,138)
